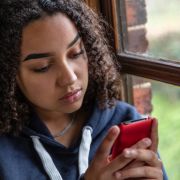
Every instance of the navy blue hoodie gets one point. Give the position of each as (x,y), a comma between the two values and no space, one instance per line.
(25,158)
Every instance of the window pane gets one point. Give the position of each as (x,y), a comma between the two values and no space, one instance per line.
(154,28)
(163,102)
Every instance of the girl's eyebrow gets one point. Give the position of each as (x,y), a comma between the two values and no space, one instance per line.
(37,56)
(74,41)
(44,55)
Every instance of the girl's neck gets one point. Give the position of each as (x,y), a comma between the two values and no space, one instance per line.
(56,122)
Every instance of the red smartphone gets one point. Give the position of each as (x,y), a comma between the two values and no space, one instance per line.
(130,133)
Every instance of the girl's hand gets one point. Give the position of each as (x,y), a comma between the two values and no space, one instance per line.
(146,165)
(148,162)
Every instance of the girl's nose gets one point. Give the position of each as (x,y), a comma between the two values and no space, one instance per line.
(66,75)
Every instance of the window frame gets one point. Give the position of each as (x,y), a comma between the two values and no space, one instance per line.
(162,70)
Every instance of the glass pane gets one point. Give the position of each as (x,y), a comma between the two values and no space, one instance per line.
(154,28)
(163,102)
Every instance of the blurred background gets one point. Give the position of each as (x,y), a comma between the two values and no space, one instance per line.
(161,100)
(163,34)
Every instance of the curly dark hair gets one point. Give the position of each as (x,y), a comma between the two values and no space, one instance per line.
(104,80)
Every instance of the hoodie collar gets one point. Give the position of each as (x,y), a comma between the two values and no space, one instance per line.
(97,121)
(37,127)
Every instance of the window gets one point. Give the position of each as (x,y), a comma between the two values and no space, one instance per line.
(147,43)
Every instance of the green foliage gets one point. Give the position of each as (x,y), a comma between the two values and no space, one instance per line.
(170,48)
(163,29)
(164,39)
(167,110)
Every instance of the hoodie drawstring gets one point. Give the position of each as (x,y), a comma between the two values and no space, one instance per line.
(46,160)
(48,163)
(84,149)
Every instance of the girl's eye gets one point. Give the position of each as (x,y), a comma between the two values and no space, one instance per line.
(76,55)
(42,70)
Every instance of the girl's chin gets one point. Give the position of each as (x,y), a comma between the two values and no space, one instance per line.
(72,107)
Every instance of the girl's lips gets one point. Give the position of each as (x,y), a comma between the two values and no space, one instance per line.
(72,96)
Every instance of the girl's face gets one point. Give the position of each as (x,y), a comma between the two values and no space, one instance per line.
(53,74)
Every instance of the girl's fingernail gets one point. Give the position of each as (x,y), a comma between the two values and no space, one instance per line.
(126,152)
(147,141)
(114,130)
(129,153)
(117,175)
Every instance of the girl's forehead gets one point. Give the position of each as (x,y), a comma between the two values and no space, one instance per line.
(57,20)
(47,34)
(56,26)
